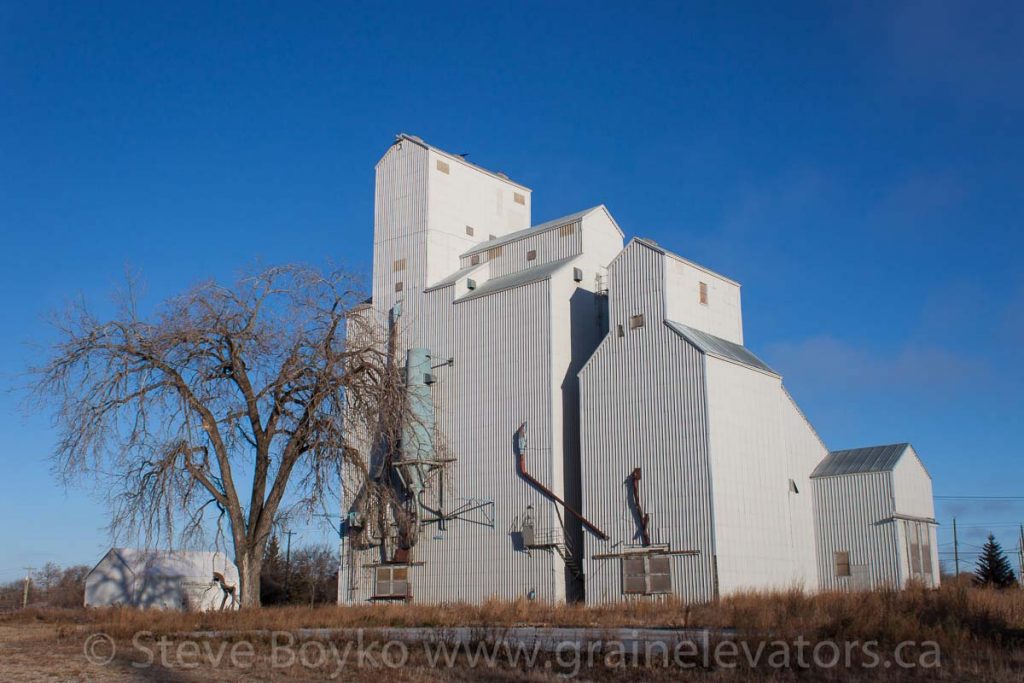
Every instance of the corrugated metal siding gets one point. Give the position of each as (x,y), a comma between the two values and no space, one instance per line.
(851,515)
(643,405)
(760,541)
(495,385)
(400,224)
(550,246)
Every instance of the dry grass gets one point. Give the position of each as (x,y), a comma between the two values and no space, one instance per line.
(980,632)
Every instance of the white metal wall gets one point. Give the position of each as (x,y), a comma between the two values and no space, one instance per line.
(643,405)
(853,514)
(550,245)
(721,316)
(912,488)
(763,529)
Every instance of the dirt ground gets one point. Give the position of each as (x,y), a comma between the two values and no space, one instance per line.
(34,653)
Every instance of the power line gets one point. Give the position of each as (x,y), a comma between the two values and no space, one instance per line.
(1018,498)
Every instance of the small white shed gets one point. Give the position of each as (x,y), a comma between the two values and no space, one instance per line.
(163,579)
(875,519)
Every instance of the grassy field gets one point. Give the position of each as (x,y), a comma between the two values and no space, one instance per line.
(956,633)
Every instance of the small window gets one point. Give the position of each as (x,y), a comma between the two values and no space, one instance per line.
(392,582)
(474,260)
(469,230)
(646,575)
(567,230)
(494,252)
(843,563)
(622,332)
(399,265)
(531,255)
(399,286)
(636,321)
(442,166)
(704,293)
(792,487)
(518,198)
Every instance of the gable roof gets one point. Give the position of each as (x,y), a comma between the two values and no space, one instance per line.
(453,278)
(720,348)
(186,563)
(538,229)
(523,277)
(654,246)
(416,140)
(860,460)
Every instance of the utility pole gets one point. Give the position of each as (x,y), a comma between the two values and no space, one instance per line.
(1020,555)
(956,550)
(28,581)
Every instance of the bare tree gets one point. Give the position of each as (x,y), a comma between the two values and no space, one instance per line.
(253,383)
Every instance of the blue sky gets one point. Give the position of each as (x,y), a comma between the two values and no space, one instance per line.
(857,167)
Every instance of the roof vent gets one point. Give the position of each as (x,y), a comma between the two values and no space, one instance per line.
(470,283)
(577,274)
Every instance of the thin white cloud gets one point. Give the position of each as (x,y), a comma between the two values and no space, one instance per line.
(825,363)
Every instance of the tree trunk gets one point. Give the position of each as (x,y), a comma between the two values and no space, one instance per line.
(250,566)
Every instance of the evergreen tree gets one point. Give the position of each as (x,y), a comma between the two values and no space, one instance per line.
(993,567)
(272,555)
(272,587)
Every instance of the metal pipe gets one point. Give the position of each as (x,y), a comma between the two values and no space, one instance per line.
(645,519)
(521,462)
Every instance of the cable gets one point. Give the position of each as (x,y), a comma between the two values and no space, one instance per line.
(1016,498)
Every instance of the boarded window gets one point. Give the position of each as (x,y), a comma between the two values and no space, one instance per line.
(918,540)
(704,293)
(636,321)
(391,582)
(399,286)
(531,255)
(634,576)
(469,230)
(518,198)
(474,260)
(399,264)
(843,563)
(646,575)
(494,252)
(442,166)
(567,230)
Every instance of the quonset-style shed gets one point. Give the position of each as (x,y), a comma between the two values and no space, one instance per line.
(875,520)
(162,579)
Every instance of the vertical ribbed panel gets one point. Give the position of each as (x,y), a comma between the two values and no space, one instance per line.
(400,224)
(550,245)
(852,513)
(501,380)
(643,405)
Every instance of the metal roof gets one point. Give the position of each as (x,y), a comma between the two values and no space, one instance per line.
(453,278)
(536,230)
(187,563)
(651,244)
(458,157)
(720,348)
(518,279)
(859,460)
